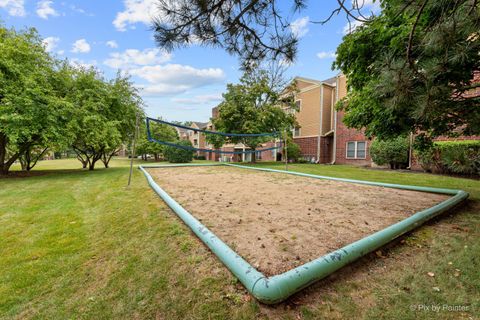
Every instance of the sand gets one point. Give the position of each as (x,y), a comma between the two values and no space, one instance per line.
(279,221)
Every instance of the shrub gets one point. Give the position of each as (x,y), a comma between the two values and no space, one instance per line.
(177,155)
(459,157)
(303,160)
(199,157)
(428,159)
(393,152)
(293,150)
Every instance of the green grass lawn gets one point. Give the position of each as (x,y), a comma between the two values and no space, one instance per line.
(79,244)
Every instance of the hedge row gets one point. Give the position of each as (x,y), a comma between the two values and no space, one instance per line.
(177,155)
(458,157)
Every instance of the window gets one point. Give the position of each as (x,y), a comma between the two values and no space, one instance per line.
(296,132)
(195,142)
(361,149)
(356,149)
(298,105)
(351,150)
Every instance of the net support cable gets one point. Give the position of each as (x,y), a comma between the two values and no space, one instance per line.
(274,134)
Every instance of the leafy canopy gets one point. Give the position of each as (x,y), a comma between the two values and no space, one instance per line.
(252,106)
(158,131)
(105,115)
(33,107)
(409,69)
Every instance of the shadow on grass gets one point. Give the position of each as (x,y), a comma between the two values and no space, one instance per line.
(359,283)
(60,172)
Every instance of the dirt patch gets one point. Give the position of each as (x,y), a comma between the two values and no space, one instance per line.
(279,221)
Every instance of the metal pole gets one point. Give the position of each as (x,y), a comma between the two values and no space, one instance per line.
(286,152)
(410,153)
(135,136)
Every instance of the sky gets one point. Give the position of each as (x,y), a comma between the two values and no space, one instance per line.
(182,85)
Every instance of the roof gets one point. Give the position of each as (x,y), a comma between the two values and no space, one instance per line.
(181,130)
(312,81)
(331,81)
(200,125)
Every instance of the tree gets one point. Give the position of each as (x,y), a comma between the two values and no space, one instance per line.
(293,150)
(30,157)
(33,108)
(409,68)
(251,29)
(105,115)
(124,107)
(160,132)
(178,155)
(393,152)
(251,107)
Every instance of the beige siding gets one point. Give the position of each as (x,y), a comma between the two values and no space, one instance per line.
(304,84)
(309,115)
(327,109)
(342,86)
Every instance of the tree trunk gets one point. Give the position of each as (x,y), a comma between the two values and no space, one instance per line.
(5,164)
(3,154)
(85,161)
(23,163)
(31,164)
(96,156)
(107,157)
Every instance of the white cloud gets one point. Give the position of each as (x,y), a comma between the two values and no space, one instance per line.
(175,78)
(133,58)
(326,55)
(112,44)
(368,8)
(81,46)
(61,52)
(200,99)
(361,3)
(136,11)
(44,9)
(162,89)
(50,43)
(79,63)
(367,5)
(79,10)
(14,8)
(299,27)
(350,27)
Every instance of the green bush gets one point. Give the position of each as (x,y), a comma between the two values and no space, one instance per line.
(293,150)
(177,155)
(199,157)
(459,157)
(393,152)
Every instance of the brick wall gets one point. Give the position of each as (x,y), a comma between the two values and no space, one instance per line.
(344,135)
(308,146)
(461,138)
(326,149)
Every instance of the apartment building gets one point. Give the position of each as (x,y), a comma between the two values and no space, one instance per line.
(321,133)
